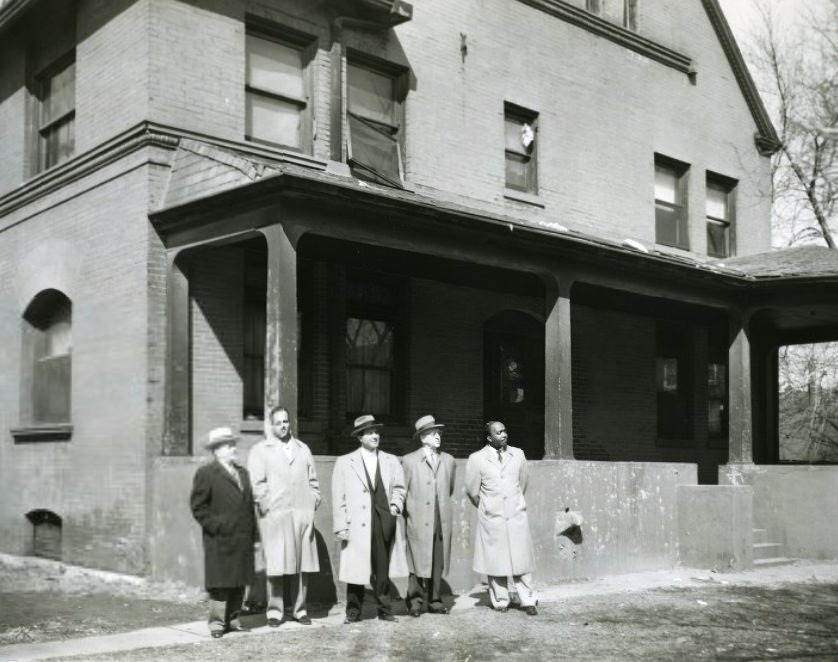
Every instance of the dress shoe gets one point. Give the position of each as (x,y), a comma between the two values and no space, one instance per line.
(351,619)
(303,620)
(388,617)
(416,613)
(502,610)
(531,610)
(217,634)
(274,622)
(438,610)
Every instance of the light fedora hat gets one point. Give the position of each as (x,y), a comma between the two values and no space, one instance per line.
(218,436)
(364,423)
(426,423)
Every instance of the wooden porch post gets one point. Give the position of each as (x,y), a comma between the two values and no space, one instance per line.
(281,323)
(177,439)
(558,387)
(740,419)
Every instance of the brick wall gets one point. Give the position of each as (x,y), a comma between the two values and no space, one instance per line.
(615,396)
(92,247)
(217,288)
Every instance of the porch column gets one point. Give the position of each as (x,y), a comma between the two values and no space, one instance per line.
(740,418)
(177,439)
(281,322)
(558,393)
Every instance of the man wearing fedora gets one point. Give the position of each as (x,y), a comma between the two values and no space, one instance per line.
(286,491)
(367,498)
(429,482)
(496,481)
(222,503)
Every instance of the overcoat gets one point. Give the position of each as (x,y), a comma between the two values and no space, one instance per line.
(225,513)
(503,544)
(422,482)
(352,511)
(286,493)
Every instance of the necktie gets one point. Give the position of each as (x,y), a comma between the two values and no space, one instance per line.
(500,456)
(235,475)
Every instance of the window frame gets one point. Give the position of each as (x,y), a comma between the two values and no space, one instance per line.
(680,207)
(516,113)
(729,187)
(399,77)
(675,407)
(45,312)
(628,19)
(306,45)
(394,314)
(45,128)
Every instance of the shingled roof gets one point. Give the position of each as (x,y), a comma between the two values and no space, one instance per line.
(797,262)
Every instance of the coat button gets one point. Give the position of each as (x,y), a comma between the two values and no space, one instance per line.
(363,523)
(427,503)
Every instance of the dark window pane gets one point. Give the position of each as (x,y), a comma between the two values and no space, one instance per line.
(670,226)
(58,141)
(717,239)
(372,95)
(60,94)
(369,361)
(374,149)
(518,172)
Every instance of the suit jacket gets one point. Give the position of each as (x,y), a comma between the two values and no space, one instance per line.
(352,511)
(503,544)
(424,486)
(287,492)
(225,513)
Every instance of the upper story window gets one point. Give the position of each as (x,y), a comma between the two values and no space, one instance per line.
(278,90)
(720,211)
(46,365)
(621,12)
(375,123)
(520,133)
(671,227)
(57,112)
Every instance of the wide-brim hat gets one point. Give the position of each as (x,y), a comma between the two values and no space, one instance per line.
(364,423)
(425,424)
(219,436)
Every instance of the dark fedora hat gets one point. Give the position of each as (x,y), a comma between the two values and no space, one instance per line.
(426,423)
(364,423)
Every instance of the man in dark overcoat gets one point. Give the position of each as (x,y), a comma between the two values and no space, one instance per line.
(222,503)
(429,482)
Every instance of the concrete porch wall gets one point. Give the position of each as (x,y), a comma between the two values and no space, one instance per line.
(796,504)
(715,526)
(630,512)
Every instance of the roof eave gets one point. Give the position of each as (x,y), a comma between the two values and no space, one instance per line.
(766,139)
(11,10)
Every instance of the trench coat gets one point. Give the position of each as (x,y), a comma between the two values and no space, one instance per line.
(503,544)
(352,511)
(419,509)
(286,493)
(225,514)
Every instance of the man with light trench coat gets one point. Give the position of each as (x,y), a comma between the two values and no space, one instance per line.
(367,499)
(496,481)
(429,480)
(287,493)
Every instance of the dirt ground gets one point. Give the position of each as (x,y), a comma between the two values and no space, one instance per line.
(45,601)
(710,620)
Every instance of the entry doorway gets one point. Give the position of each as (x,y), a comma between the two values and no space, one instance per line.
(513,378)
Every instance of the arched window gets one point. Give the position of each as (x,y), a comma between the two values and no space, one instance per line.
(47,365)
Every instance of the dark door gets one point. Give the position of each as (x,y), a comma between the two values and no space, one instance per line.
(513,378)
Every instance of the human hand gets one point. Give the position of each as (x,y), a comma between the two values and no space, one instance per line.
(342,535)
(394,511)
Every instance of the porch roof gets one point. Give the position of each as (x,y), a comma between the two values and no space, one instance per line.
(788,263)
(233,176)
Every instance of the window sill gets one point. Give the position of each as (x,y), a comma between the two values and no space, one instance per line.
(520,196)
(36,433)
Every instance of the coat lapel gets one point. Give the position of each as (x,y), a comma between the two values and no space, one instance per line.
(357,464)
(226,475)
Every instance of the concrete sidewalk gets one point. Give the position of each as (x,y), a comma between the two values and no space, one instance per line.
(196,631)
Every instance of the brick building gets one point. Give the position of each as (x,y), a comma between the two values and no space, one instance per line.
(547,212)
